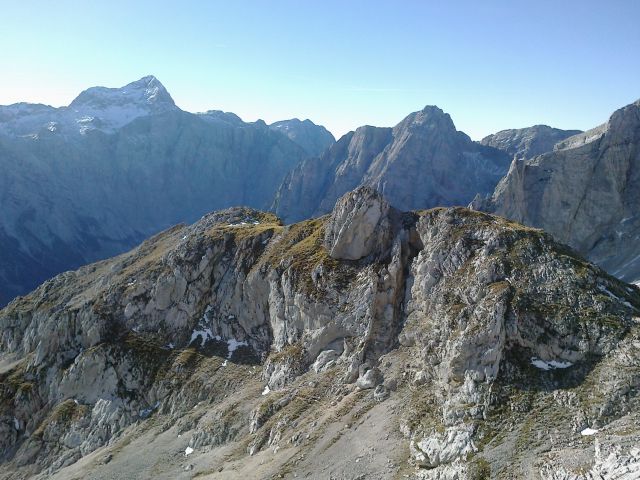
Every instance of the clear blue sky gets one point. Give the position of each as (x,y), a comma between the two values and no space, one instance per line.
(491,64)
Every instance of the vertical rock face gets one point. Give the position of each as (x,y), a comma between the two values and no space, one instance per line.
(421,163)
(313,187)
(361,224)
(585,193)
(528,142)
(117,166)
(476,335)
(315,139)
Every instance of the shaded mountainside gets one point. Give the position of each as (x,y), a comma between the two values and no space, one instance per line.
(315,139)
(91,180)
(422,162)
(586,193)
(369,343)
(528,142)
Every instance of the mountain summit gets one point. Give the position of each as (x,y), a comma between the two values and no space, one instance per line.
(95,109)
(110,108)
(315,139)
(422,162)
(146,91)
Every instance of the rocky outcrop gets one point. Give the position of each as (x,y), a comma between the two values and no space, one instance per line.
(315,139)
(422,162)
(362,224)
(584,193)
(528,142)
(112,149)
(277,349)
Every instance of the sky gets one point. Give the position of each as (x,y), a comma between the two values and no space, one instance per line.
(490,64)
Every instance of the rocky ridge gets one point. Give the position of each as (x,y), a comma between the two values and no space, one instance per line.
(585,193)
(370,343)
(528,142)
(422,162)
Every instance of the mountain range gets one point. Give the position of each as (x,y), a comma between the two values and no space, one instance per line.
(415,304)
(91,180)
(422,162)
(585,192)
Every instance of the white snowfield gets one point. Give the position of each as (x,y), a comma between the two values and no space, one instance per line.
(551,365)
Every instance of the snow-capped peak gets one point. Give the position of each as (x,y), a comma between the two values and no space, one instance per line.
(146,91)
(97,108)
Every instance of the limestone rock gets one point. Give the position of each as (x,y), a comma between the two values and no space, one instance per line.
(528,142)
(315,139)
(585,193)
(422,162)
(361,224)
(370,379)
(240,334)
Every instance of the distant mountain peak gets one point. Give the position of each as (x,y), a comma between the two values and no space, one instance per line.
(146,91)
(430,117)
(314,139)
(528,142)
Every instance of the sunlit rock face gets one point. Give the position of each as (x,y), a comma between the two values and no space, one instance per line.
(528,142)
(585,193)
(422,162)
(455,345)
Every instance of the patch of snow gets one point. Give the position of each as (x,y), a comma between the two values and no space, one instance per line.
(233,344)
(588,431)
(188,451)
(16,423)
(151,94)
(604,289)
(169,346)
(224,364)
(266,390)
(246,221)
(551,365)
(202,331)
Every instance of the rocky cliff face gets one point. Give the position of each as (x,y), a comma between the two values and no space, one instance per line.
(370,343)
(585,193)
(422,162)
(528,142)
(91,180)
(315,139)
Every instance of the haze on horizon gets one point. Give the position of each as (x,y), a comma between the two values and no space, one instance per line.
(491,65)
